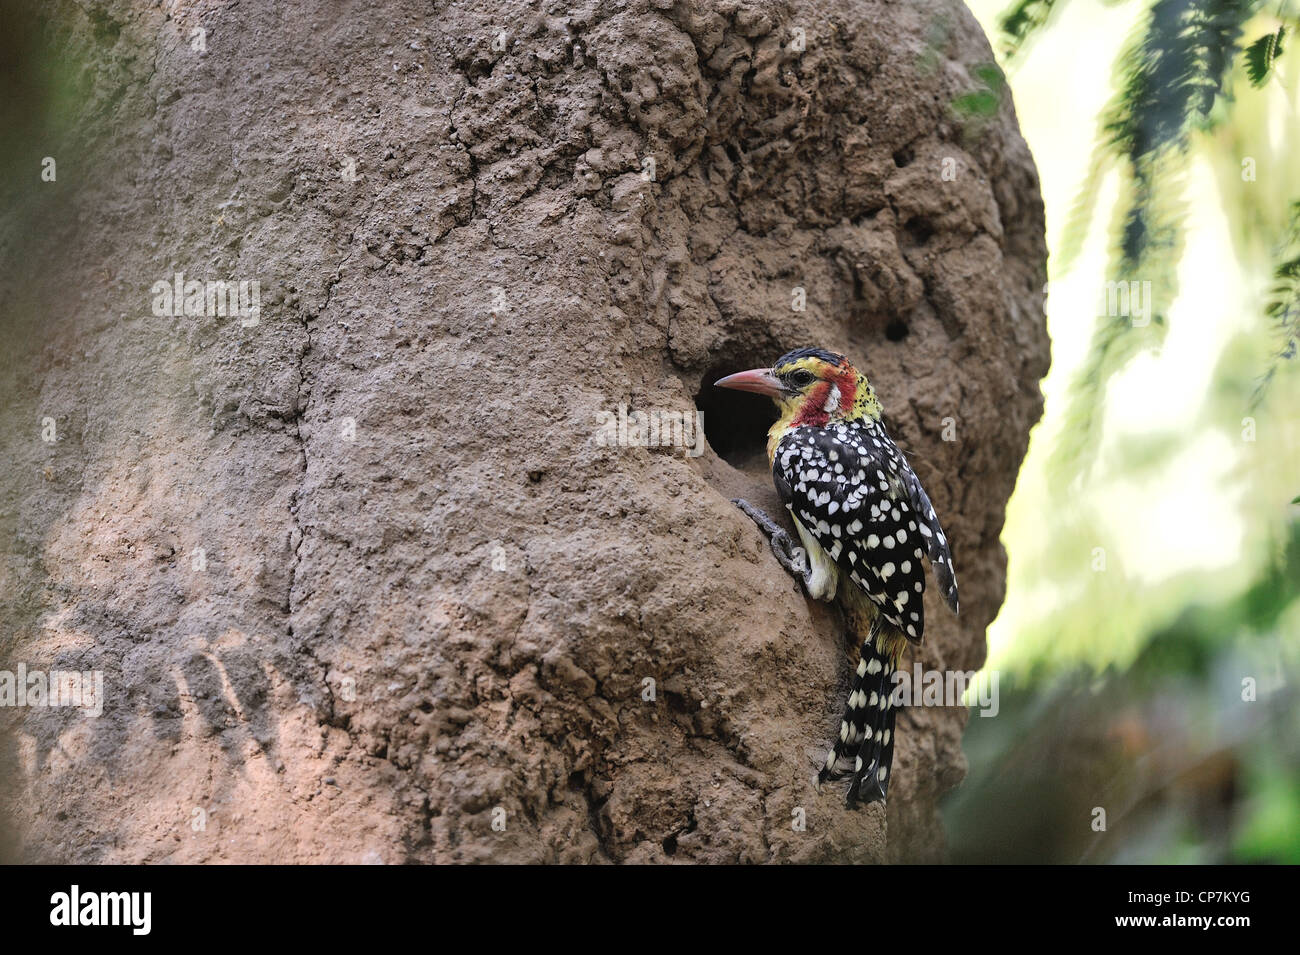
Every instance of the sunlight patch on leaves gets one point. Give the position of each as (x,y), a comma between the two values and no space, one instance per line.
(1173,78)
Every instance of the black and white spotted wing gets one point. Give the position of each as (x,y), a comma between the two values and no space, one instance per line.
(850,488)
(936,543)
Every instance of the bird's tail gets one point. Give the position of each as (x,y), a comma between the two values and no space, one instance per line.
(867,727)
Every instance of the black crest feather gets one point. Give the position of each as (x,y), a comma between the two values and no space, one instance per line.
(819,353)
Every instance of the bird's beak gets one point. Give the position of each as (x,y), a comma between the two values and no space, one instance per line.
(761,381)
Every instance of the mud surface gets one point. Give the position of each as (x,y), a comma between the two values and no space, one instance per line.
(361,579)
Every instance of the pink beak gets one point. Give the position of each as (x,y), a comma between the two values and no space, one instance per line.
(760,381)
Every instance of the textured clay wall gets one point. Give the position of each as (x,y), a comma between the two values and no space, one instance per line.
(428,596)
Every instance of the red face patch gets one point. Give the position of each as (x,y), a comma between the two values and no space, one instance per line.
(813,411)
(847,379)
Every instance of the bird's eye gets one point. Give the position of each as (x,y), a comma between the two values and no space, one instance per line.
(801,379)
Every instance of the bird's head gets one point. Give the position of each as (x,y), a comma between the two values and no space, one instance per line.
(811,386)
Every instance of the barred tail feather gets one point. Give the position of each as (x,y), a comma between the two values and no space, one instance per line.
(875,760)
(867,727)
(853,724)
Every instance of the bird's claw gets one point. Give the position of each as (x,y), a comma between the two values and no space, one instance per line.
(788,554)
(863,791)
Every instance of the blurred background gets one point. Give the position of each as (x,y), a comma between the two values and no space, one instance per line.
(1148,647)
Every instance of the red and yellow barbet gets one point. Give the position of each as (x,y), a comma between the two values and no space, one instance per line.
(865,523)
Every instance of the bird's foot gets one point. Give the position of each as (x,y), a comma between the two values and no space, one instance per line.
(865,788)
(830,775)
(870,775)
(788,554)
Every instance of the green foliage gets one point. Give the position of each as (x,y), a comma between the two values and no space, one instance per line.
(979,106)
(1020,21)
(1187,765)
(1283,306)
(1173,83)
(1172,76)
(1172,79)
(1149,605)
(1270,830)
(1261,54)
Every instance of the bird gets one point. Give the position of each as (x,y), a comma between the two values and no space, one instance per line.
(864,522)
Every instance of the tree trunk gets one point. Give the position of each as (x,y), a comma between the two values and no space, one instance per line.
(364,577)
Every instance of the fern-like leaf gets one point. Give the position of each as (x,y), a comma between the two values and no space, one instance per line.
(1021,20)
(1283,306)
(1172,78)
(1261,54)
